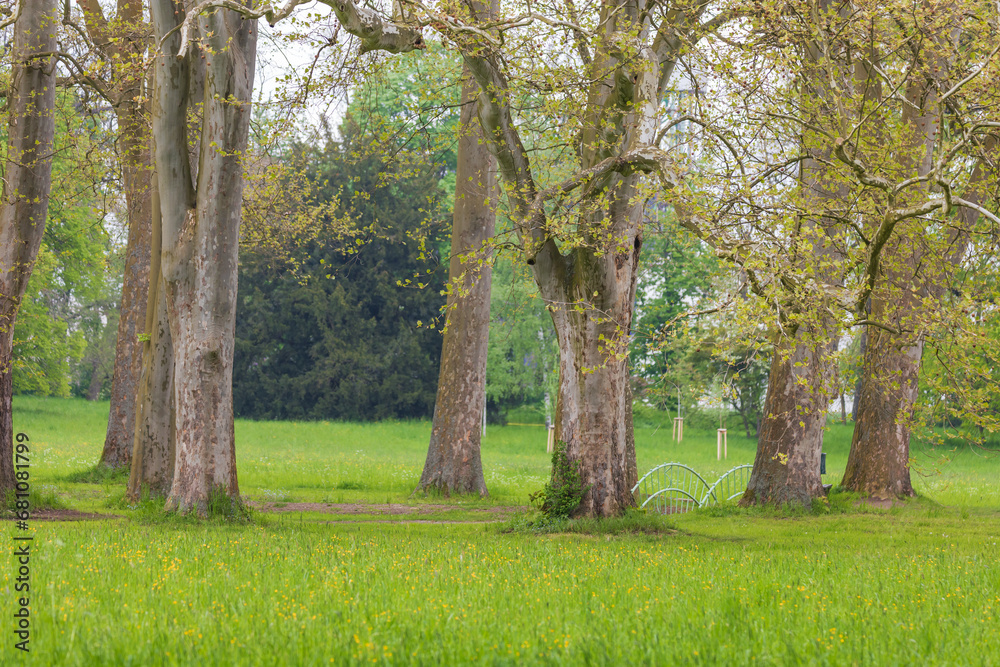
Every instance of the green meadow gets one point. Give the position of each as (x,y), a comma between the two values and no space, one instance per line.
(464,581)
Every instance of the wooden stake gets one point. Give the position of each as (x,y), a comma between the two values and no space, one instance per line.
(721,445)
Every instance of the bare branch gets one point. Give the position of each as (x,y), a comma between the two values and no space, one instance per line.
(972,75)
(375,33)
(13,15)
(859,168)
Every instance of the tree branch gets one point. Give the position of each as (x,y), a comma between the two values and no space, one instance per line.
(375,33)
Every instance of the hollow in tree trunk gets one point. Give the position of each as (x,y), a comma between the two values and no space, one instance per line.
(454,464)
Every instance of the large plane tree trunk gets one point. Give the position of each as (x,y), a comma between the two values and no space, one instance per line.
(31,101)
(454,463)
(200,217)
(589,286)
(786,467)
(594,403)
(879,462)
(787,463)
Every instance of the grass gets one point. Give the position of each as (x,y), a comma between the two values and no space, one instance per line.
(840,585)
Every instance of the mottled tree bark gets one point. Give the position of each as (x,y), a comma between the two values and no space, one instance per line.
(454,464)
(594,402)
(786,467)
(27,181)
(200,217)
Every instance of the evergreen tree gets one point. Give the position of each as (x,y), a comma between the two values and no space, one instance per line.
(348,334)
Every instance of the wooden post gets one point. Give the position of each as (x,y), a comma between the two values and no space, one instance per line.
(721,445)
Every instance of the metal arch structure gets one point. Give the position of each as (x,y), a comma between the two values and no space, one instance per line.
(671,488)
(728,487)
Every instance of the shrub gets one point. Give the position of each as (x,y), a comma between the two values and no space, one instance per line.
(565,489)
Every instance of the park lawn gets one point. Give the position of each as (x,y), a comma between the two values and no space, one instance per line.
(912,584)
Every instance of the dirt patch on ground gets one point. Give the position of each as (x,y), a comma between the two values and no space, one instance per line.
(392,509)
(410,522)
(64,515)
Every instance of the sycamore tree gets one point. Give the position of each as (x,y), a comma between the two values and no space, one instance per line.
(847,190)
(570,106)
(27,172)
(203,77)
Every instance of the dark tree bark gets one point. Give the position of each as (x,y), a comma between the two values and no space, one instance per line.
(200,217)
(31,99)
(454,464)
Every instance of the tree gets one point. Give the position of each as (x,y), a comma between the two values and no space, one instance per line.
(824,201)
(337,338)
(116,71)
(919,260)
(454,464)
(584,253)
(26,183)
(205,71)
